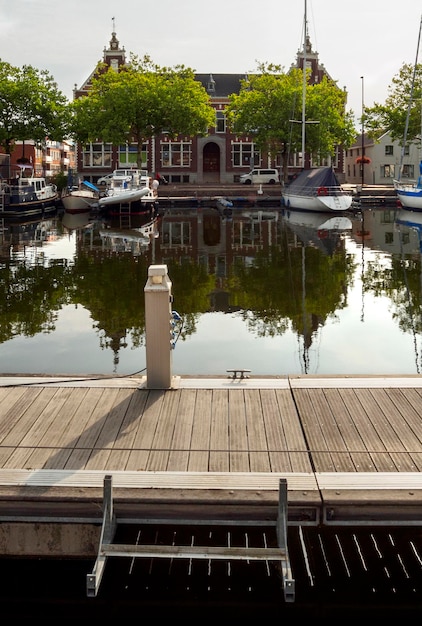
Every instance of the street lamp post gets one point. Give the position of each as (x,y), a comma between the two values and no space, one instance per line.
(362,162)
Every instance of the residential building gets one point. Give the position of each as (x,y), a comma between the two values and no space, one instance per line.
(218,157)
(381,161)
(46,160)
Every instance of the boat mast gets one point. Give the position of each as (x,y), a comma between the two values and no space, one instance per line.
(305,33)
(406,127)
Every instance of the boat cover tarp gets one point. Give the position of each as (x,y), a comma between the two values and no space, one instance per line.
(309,181)
(90,185)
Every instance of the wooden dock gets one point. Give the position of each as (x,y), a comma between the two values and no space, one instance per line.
(78,456)
(349,447)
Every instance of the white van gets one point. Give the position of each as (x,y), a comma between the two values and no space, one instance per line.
(260,176)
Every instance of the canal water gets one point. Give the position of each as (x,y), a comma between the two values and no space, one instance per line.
(275,292)
(338,573)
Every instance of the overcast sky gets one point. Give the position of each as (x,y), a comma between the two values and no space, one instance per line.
(369,38)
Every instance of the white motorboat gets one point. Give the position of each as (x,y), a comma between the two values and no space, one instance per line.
(125,196)
(129,192)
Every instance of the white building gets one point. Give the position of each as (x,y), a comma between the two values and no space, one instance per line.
(381,161)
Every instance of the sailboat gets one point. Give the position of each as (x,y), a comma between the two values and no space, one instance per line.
(315,189)
(410,194)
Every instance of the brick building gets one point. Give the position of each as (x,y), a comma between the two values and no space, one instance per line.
(220,157)
(46,160)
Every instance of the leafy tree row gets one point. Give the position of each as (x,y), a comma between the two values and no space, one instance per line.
(144,99)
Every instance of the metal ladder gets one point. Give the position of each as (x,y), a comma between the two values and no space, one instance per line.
(109,549)
(124,214)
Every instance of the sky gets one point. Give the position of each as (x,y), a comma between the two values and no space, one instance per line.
(362,44)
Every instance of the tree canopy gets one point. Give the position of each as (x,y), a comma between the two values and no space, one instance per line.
(270,102)
(140,101)
(31,106)
(404,95)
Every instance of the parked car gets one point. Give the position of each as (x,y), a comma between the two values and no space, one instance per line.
(259,176)
(105,180)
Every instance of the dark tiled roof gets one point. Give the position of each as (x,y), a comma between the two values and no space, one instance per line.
(224,84)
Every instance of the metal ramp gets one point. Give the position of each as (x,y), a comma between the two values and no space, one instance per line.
(108,549)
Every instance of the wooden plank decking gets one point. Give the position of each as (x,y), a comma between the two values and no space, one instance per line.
(350,447)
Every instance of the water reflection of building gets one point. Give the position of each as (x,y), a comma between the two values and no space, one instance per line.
(213,240)
(377,229)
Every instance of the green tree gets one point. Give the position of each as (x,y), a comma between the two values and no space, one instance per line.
(401,99)
(140,101)
(270,102)
(31,106)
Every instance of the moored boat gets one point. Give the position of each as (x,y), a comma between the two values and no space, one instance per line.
(409,193)
(27,195)
(80,199)
(130,192)
(316,189)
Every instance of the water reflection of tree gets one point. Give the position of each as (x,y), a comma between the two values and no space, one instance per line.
(267,292)
(401,283)
(270,291)
(191,286)
(111,287)
(31,295)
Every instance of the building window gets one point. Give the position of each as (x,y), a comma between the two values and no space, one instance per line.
(176,234)
(243,154)
(408,171)
(176,153)
(220,122)
(389,150)
(405,238)
(387,171)
(128,155)
(97,155)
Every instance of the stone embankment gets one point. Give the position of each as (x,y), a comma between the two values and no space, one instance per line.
(198,193)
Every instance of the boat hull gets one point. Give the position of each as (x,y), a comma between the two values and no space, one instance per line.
(130,203)
(78,201)
(25,209)
(28,196)
(317,203)
(124,197)
(316,189)
(409,196)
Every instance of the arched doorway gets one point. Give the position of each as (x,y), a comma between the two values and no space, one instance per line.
(211,167)
(211,224)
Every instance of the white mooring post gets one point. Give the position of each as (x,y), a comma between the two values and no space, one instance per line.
(158,299)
